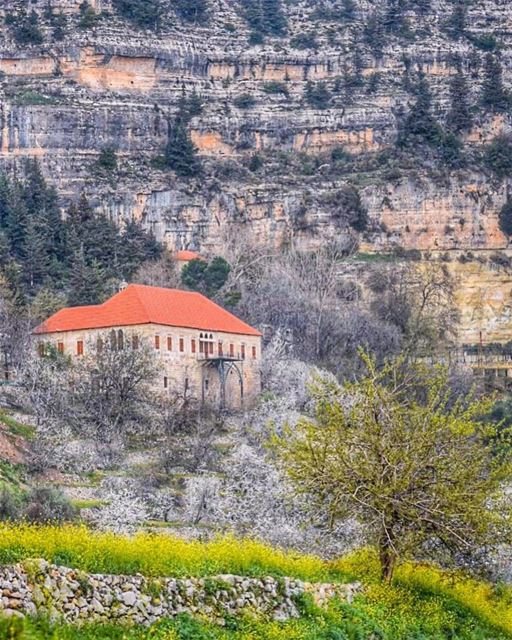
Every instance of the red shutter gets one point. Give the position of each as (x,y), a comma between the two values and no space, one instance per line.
(157,342)
(193,345)
(182,345)
(80,348)
(169,344)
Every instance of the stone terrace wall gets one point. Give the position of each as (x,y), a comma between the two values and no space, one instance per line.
(36,587)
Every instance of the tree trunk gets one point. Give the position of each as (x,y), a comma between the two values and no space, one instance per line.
(387,561)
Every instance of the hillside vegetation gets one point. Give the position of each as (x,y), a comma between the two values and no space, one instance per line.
(423,602)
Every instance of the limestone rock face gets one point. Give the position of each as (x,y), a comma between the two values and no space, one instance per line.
(111,84)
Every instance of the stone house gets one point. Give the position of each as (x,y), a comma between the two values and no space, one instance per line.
(203,351)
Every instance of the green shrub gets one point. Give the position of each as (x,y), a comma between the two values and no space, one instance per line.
(107,160)
(10,502)
(498,156)
(25,27)
(275,87)
(88,17)
(48,504)
(191,10)
(304,41)
(505,218)
(318,95)
(208,278)
(244,101)
(141,13)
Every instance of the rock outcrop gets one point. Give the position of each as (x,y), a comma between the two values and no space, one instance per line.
(110,84)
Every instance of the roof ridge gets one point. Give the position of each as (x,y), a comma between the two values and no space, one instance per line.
(134,287)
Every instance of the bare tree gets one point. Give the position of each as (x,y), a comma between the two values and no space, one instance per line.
(418,298)
(111,384)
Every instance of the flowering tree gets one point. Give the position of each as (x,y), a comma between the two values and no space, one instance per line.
(421,470)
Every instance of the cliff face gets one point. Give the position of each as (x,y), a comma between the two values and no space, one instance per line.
(112,85)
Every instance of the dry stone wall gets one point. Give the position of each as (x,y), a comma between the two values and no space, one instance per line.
(36,587)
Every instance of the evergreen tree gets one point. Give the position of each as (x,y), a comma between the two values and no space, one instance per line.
(137,246)
(87,282)
(498,156)
(16,222)
(420,125)
(26,28)
(36,260)
(318,95)
(494,95)
(374,34)
(142,13)
(191,10)
(505,218)
(265,16)
(208,278)
(180,153)
(459,117)
(456,23)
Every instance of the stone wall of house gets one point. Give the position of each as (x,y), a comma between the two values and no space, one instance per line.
(36,587)
(182,371)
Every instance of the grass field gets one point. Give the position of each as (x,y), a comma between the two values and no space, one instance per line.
(424,603)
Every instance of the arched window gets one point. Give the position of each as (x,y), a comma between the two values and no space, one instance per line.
(120,339)
(113,339)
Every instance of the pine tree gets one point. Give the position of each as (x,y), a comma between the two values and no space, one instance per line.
(374,34)
(505,218)
(36,261)
(137,246)
(191,10)
(494,95)
(265,16)
(180,153)
(420,124)
(16,222)
(86,282)
(456,23)
(459,117)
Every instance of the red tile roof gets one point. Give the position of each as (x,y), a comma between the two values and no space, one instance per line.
(187,256)
(139,304)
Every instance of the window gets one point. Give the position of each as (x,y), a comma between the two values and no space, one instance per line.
(206,384)
(113,339)
(243,351)
(120,339)
(157,342)
(193,345)
(166,382)
(210,345)
(41,350)
(182,345)
(221,351)
(231,350)
(254,353)
(60,347)
(79,347)
(135,342)
(169,343)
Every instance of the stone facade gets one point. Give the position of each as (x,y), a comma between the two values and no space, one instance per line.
(37,587)
(183,366)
